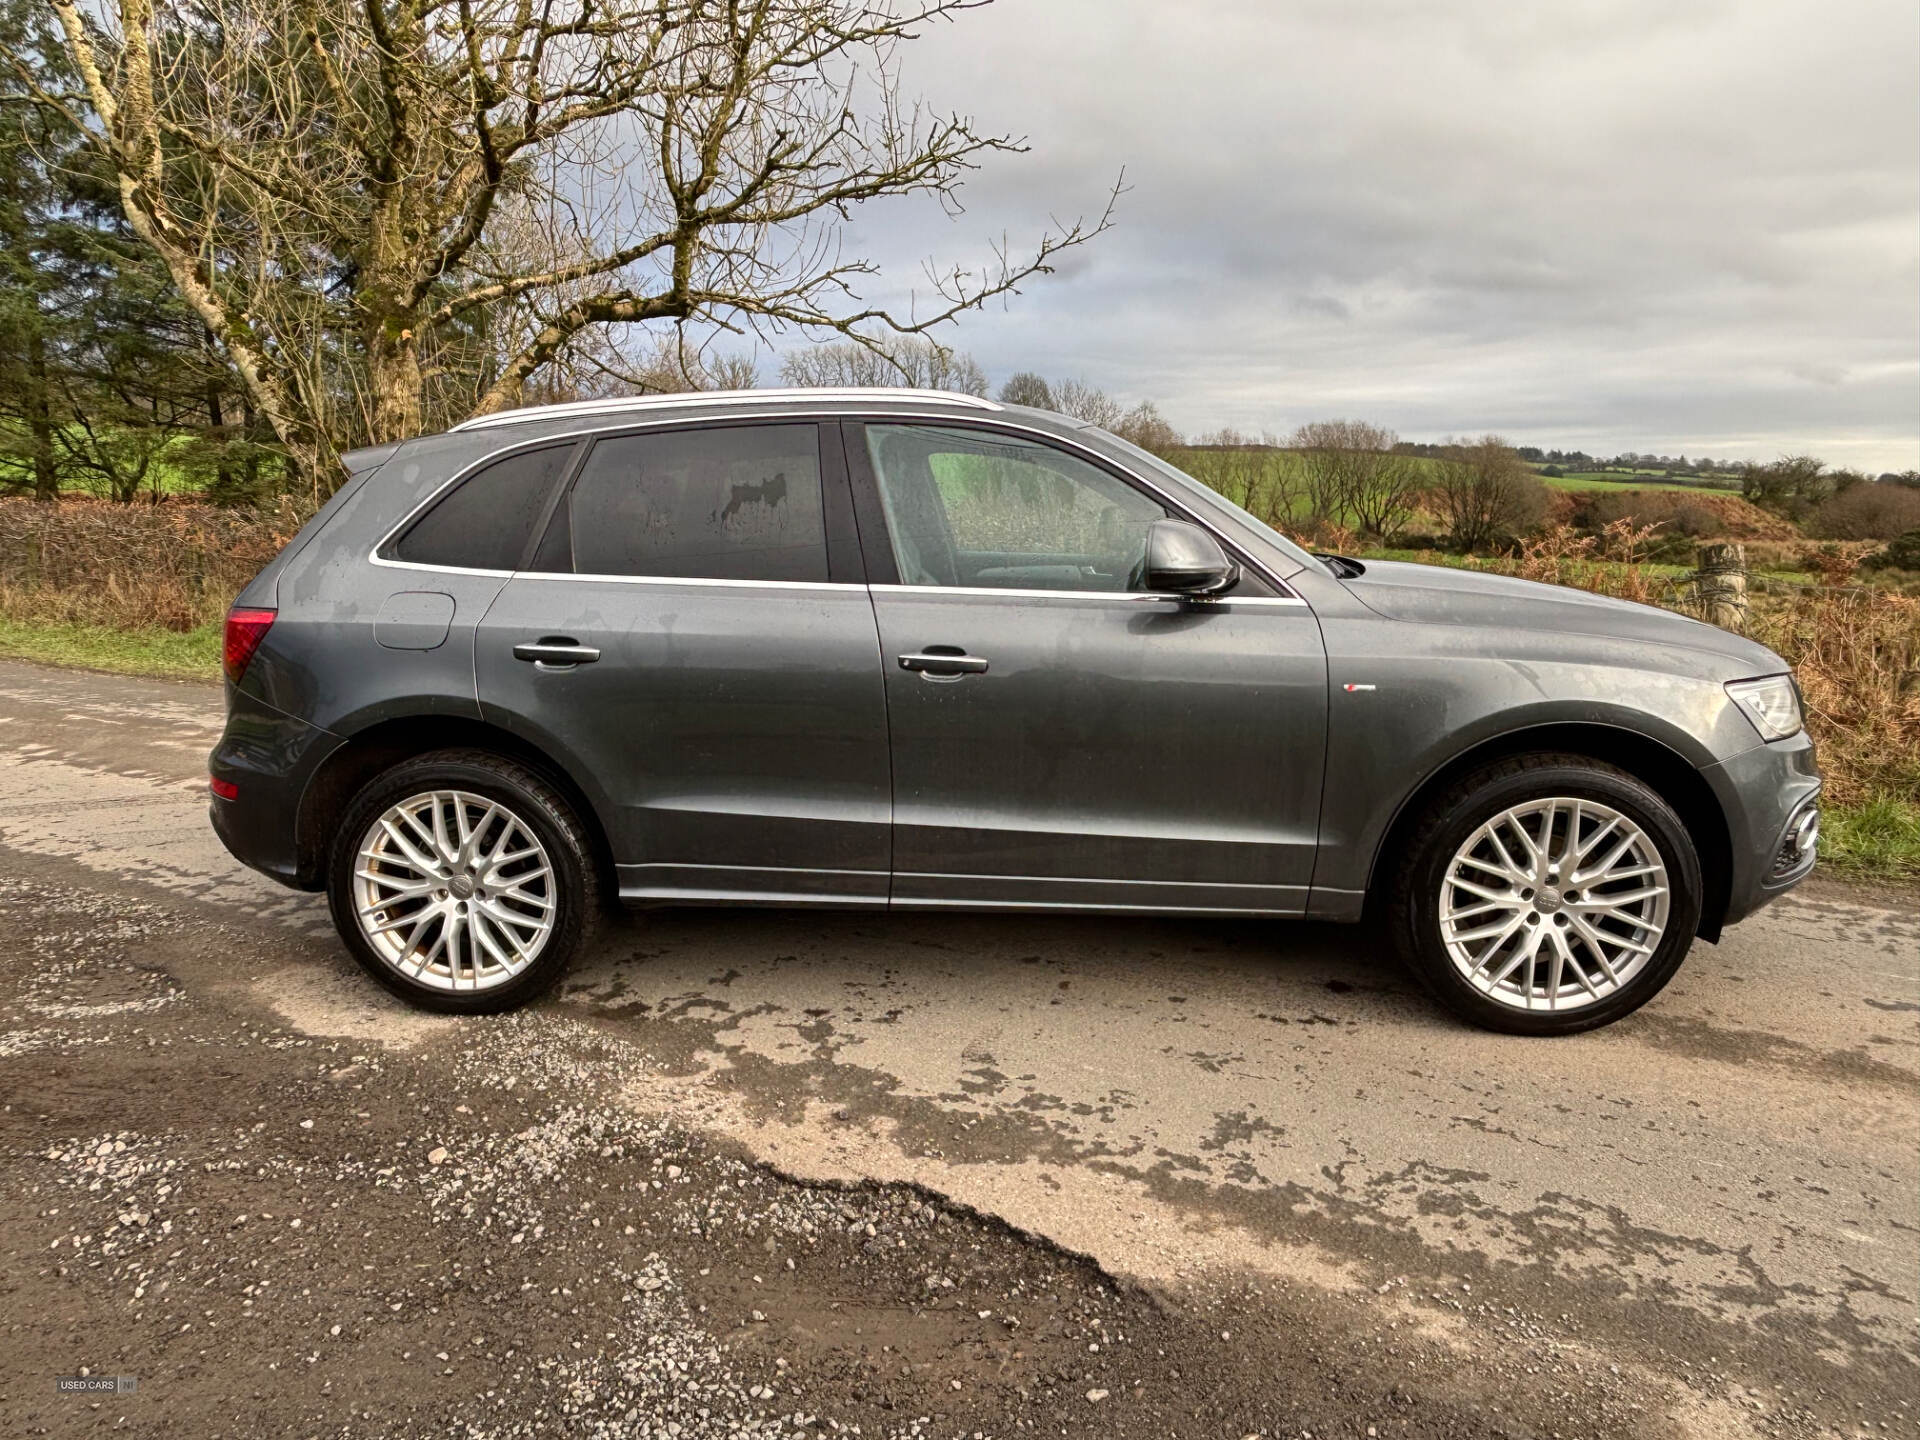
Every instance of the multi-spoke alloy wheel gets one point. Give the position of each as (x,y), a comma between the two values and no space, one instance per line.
(1545,894)
(454,891)
(1554,904)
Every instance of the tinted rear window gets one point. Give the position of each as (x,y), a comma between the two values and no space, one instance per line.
(486,522)
(736,502)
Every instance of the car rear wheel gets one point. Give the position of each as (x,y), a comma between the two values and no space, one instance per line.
(463,882)
(1547,894)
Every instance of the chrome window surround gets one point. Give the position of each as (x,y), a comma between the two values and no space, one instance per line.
(1130,597)
(999,425)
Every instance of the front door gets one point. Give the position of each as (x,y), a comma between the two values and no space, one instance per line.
(1058,737)
(695,639)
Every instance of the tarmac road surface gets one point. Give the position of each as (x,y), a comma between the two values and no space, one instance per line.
(1702,1220)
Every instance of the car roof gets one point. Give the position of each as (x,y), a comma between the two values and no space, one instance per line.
(474,440)
(721,402)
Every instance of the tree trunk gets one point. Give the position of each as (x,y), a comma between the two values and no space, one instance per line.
(253,450)
(217,422)
(46,477)
(388,302)
(393,375)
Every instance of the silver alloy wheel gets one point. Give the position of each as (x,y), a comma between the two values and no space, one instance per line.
(1554,904)
(454,891)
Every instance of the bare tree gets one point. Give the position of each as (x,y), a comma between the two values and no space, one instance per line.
(596,367)
(1144,426)
(360,198)
(1794,485)
(732,372)
(1489,493)
(1353,476)
(905,360)
(1252,471)
(1027,388)
(1080,401)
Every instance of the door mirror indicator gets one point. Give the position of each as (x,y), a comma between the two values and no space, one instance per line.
(1183,559)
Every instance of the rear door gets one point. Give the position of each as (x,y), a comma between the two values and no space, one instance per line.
(1060,737)
(694,637)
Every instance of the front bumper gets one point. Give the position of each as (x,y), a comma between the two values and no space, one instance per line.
(269,756)
(1767,794)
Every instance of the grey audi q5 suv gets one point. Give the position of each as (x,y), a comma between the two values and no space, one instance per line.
(906,650)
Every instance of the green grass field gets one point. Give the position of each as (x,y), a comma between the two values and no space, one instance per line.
(170,654)
(1211,466)
(1614,480)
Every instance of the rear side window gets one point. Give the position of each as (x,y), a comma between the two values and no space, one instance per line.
(734,502)
(487,520)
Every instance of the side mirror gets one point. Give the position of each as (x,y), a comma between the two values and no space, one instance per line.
(1186,560)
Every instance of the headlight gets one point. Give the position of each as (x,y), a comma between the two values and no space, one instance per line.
(1772,704)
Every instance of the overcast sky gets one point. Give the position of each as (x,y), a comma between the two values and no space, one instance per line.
(1658,225)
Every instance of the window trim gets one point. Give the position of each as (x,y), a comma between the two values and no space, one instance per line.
(599,578)
(1106,597)
(846,419)
(869,507)
(843,544)
(840,548)
(381,553)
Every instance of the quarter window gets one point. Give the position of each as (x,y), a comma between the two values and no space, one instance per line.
(968,508)
(484,524)
(739,502)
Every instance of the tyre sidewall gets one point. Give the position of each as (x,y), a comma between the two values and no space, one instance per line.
(539,807)
(1469,808)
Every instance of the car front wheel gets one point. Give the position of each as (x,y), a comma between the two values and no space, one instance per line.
(1547,894)
(463,882)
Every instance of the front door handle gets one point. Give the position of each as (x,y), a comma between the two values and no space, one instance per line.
(943,660)
(556,652)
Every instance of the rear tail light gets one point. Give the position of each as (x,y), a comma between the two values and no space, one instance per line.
(245,630)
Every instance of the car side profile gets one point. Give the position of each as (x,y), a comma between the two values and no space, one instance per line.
(912,650)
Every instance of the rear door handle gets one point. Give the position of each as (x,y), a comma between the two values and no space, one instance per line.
(941,661)
(556,653)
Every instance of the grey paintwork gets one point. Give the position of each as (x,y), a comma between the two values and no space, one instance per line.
(737,733)
(1075,771)
(743,743)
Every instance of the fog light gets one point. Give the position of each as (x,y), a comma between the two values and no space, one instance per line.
(1797,845)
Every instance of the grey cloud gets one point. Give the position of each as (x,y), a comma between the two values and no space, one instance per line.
(1602,223)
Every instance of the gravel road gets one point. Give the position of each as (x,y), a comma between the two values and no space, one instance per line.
(781,1174)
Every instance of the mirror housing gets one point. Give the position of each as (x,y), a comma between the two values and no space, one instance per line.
(1183,559)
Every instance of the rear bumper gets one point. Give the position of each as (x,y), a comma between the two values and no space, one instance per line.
(1766,793)
(270,757)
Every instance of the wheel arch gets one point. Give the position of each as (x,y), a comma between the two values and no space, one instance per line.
(380,746)
(1670,774)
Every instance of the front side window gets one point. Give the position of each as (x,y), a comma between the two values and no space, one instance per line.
(736,502)
(484,524)
(969,508)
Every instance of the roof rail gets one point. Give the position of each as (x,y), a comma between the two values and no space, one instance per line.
(622,404)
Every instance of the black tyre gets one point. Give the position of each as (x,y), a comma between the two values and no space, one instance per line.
(463,881)
(1546,894)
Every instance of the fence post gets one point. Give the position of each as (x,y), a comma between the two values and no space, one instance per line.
(1722,578)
